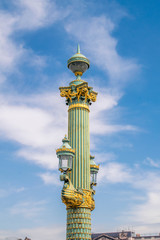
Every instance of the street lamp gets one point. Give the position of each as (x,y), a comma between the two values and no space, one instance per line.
(65,154)
(75,161)
(93,171)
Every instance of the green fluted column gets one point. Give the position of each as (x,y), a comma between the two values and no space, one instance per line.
(78,134)
(79,219)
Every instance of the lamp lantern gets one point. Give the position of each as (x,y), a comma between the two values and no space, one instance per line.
(65,154)
(93,171)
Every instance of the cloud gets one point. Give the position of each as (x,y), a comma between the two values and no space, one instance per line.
(143,211)
(147,180)
(50,178)
(114,172)
(26,125)
(145,185)
(151,162)
(36,14)
(100,123)
(21,189)
(36,124)
(25,15)
(39,233)
(44,158)
(9,51)
(103,128)
(9,191)
(146,212)
(28,209)
(104,157)
(147,228)
(106,100)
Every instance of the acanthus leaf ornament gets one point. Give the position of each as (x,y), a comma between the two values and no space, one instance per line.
(80,91)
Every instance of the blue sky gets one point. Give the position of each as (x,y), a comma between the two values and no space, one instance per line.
(121,39)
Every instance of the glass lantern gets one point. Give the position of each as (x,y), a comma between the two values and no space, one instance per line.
(93,171)
(65,162)
(93,177)
(65,154)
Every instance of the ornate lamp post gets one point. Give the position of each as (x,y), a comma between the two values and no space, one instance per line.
(75,162)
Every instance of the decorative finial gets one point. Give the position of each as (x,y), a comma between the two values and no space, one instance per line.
(78,48)
(78,63)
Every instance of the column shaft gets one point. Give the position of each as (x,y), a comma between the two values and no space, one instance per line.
(78,134)
(79,219)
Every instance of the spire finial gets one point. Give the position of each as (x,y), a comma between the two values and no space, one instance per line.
(78,48)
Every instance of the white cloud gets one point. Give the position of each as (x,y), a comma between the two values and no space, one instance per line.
(27,15)
(147,180)
(151,162)
(104,157)
(50,178)
(100,121)
(37,129)
(9,51)
(21,189)
(28,209)
(37,124)
(7,192)
(39,233)
(143,214)
(26,125)
(147,212)
(101,128)
(144,211)
(147,228)
(39,156)
(114,172)
(106,100)
(36,14)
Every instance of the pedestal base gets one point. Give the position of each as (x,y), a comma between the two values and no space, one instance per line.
(79,224)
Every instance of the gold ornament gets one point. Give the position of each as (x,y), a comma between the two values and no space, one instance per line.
(73,198)
(82,90)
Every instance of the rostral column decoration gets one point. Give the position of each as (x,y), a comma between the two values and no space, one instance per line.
(79,171)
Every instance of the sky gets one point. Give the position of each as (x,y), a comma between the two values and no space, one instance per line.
(121,39)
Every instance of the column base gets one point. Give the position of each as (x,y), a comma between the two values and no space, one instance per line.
(79,224)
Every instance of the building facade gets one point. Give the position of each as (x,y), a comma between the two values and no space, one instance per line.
(125,235)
